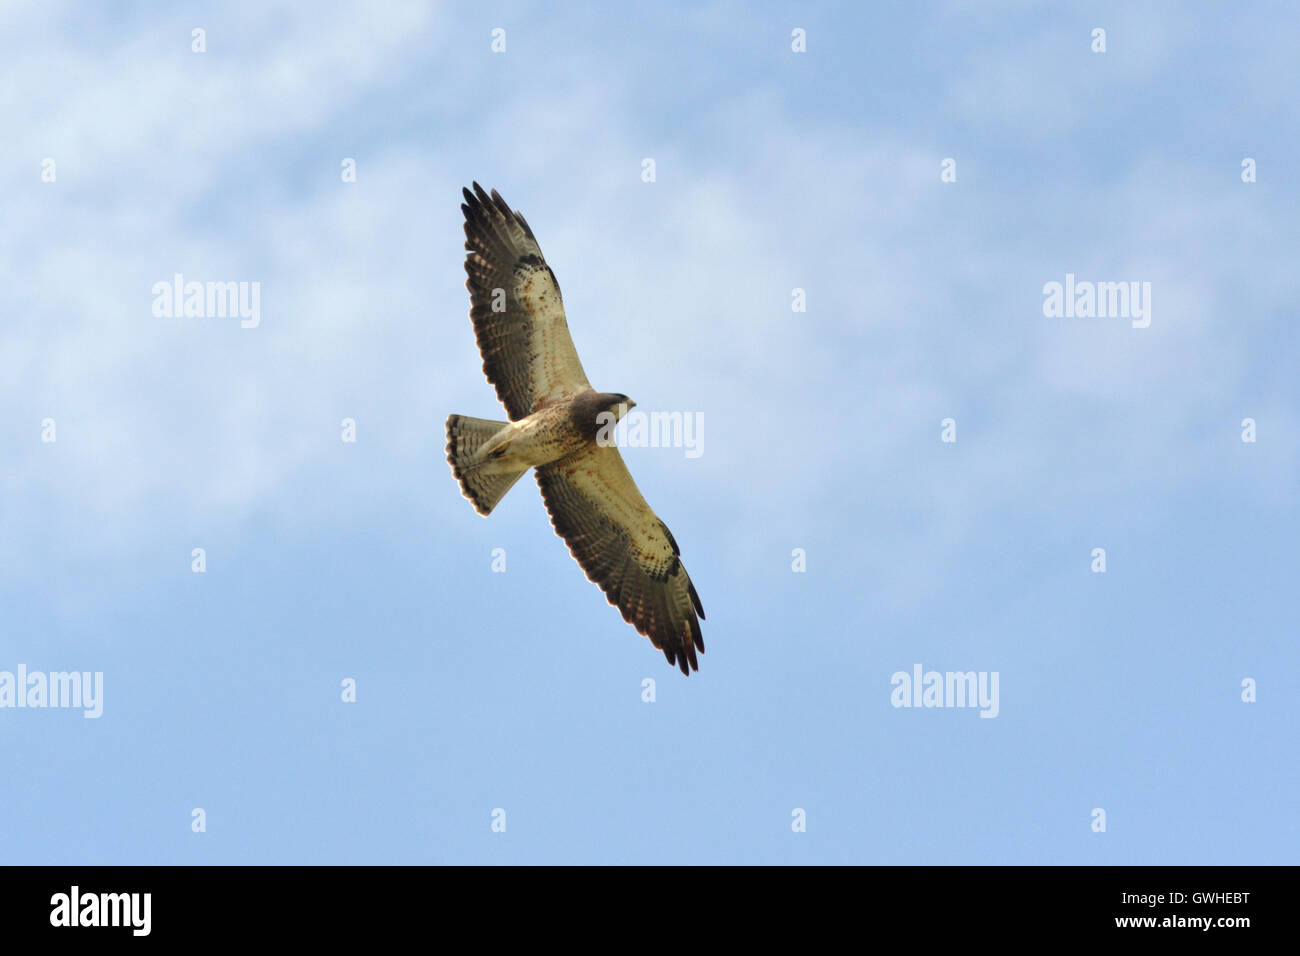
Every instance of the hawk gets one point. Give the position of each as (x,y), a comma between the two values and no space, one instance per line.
(560,426)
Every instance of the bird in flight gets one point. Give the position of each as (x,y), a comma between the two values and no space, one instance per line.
(561,426)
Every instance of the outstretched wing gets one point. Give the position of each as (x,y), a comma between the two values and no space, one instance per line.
(516,308)
(624,547)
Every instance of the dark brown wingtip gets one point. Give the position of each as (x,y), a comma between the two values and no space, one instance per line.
(699,636)
(684,656)
(474,202)
(695,598)
(503,205)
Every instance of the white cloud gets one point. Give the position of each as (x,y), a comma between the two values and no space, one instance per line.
(923,298)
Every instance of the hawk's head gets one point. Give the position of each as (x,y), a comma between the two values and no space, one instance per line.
(595,414)
(617,404)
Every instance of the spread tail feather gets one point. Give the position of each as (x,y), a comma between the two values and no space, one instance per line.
(483,486)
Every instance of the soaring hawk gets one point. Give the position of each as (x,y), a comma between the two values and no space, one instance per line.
(560,425)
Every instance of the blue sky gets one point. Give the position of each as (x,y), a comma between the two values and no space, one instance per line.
(775,170)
